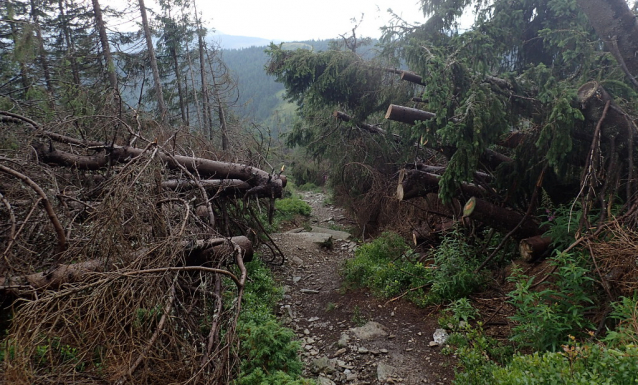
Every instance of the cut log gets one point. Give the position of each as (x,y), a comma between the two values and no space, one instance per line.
(416,183)
(534,248)
(407,115)
(411,77)
(198,253)
(500,218)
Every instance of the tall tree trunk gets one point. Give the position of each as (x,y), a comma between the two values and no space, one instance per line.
(178,78)
(24,73)
(106,49)
(70,45)
(151,53)
(208,121)
(43,59)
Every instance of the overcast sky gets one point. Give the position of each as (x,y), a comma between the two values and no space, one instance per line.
(288,20)
(304,19)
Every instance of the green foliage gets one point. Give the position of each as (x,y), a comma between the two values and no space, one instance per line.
(454,275)
(386,266)
(269,347)
(546,317)
(478,355)
(269,352)
(457,311)
(575,365)
(287,208)
(381,265)
(625,312)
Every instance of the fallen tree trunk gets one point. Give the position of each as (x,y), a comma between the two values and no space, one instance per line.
(199,253)
(261,181)
(368,127)
(215,186)
(417,183)
(500,218)
(534,248)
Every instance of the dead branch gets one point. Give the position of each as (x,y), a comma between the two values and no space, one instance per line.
(59,230)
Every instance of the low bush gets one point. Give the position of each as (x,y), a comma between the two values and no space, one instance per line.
(387,266)
(269,352)
(545,318)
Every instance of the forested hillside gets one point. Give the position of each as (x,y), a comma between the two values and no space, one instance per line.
(259,93)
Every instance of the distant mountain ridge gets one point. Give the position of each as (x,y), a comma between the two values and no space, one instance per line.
(239,42)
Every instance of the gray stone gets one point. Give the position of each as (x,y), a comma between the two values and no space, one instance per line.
(321,380)
(309,291)
(296,279)
(440,336)
(343,340)
(362,350)
(369,331)
(323,364)
(339,352)
(311,238)
(336,234)
(384,371)
(296,260)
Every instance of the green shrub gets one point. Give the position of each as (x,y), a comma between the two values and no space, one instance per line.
(586,364)
(287,208)
(269,353)
(545,318)
(454,274)
(385,265)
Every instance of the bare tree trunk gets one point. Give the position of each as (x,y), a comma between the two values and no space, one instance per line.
(43,59)
(70,45)
(208,122)
(106,49)
(24,73)
(178,78)
(151,53)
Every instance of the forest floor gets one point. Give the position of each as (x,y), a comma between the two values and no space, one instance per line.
(350,336)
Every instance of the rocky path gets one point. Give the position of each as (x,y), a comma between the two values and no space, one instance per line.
(350,337)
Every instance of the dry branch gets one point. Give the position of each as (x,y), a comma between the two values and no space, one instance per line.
(59,230)
(198,253)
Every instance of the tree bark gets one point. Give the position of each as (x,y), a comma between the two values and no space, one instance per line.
(151,54)
(500,218)
(106,49)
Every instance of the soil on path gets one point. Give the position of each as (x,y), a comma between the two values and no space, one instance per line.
(351,337)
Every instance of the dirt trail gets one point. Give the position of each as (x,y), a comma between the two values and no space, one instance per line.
(351,337)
